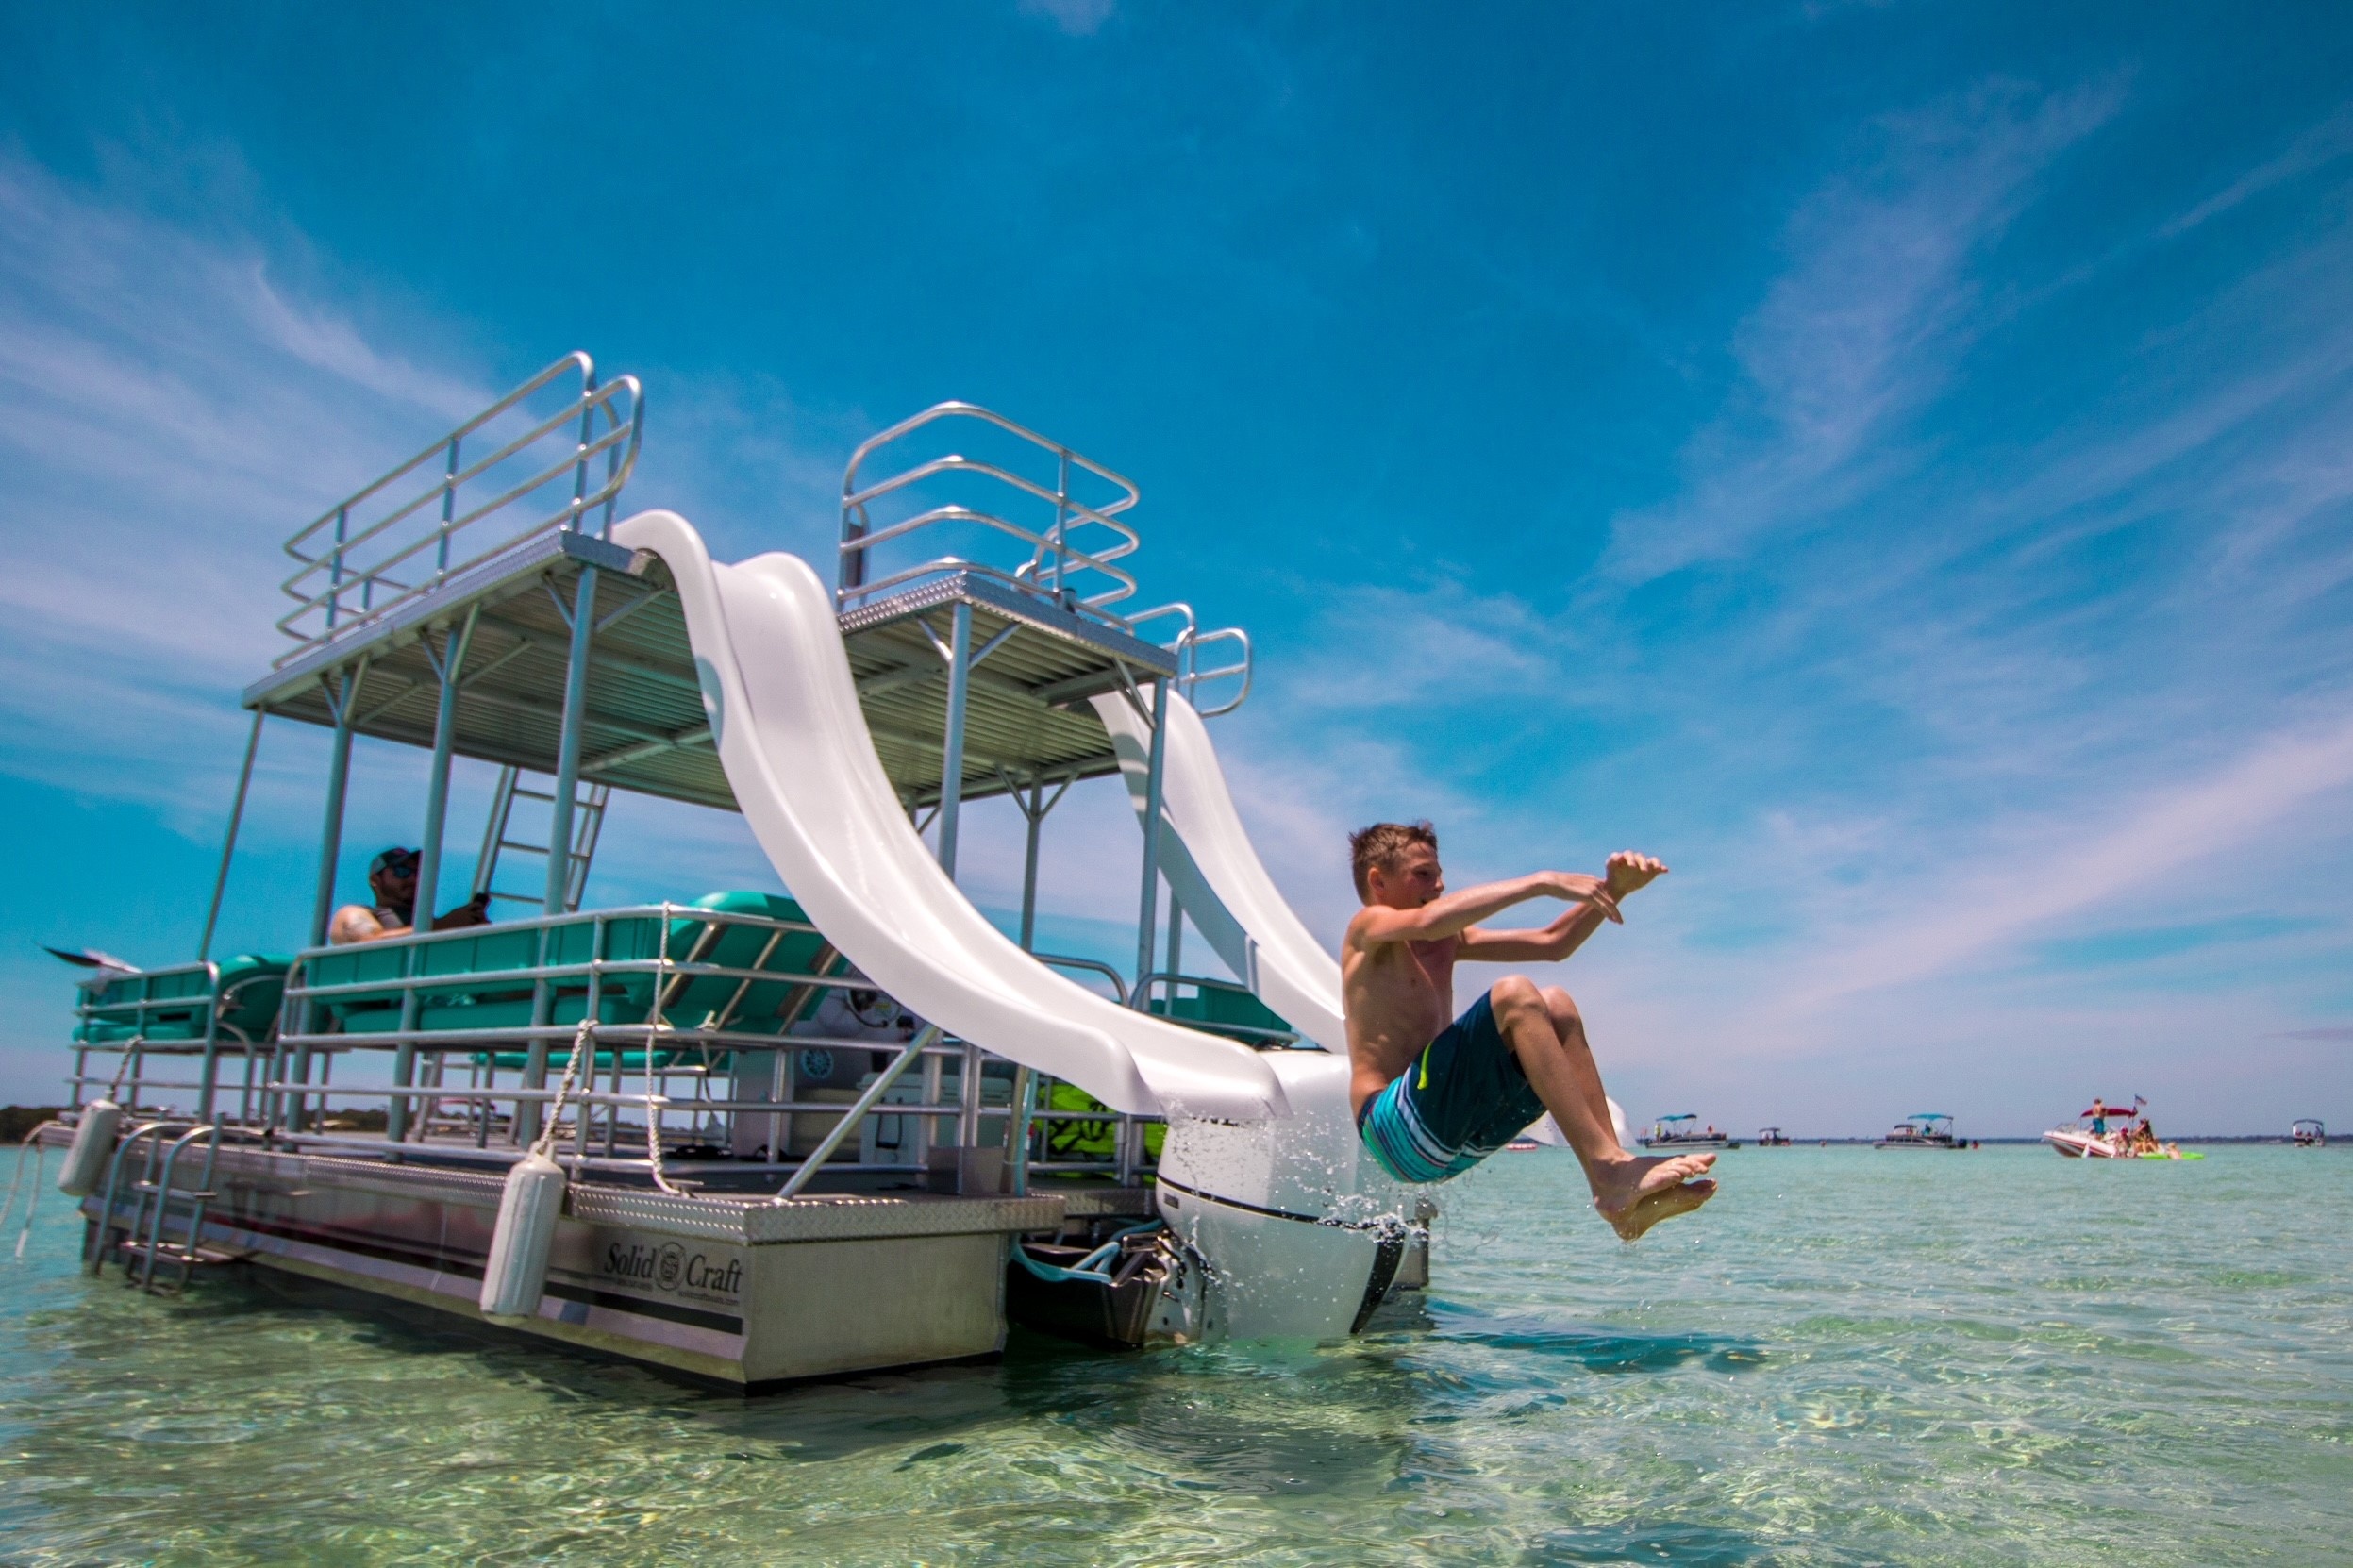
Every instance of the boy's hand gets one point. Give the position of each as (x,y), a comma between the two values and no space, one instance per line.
(1577,888)
(1631,872)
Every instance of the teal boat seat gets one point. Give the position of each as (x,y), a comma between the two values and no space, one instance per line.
(1234,1013)
(471,1001)
(169,1005)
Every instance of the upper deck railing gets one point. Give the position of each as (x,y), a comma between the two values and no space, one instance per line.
(524,466)
(1072,550)
(1063,540)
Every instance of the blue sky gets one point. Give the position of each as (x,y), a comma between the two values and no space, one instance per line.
(1888,461)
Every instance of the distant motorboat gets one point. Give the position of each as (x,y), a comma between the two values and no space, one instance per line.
(1772,1138)
(2092,1138)
(1926,1130)
(1684,1132)
(2309,1133)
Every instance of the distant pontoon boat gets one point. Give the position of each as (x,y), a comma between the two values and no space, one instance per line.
(2309,1133)
(1925,1129)
(1682,1132)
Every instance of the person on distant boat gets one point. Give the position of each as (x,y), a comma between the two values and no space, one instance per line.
(1432,1098)
(2099,1117)
(392,877)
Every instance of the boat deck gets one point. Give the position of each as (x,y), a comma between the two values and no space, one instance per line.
(1028,716)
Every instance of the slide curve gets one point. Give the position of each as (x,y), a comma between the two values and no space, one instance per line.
(783,706)
(1218,876)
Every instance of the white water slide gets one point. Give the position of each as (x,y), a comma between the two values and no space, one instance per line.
(784,709)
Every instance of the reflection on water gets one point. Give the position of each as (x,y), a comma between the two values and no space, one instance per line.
(1851,1358)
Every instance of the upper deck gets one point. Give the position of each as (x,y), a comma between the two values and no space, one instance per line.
(414,567)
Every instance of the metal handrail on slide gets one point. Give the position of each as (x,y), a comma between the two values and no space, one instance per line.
(399,537)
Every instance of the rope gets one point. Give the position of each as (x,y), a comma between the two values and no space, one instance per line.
(32,1205)
(653,1134)
(580,1038)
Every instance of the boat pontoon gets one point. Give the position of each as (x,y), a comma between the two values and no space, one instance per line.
(752,1135)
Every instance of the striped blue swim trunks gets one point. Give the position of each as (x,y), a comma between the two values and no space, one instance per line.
(1463,1098)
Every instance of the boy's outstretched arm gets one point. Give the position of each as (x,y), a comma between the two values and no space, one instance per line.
(1627,873)
(1456,912)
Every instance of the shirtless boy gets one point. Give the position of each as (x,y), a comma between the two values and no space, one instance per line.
(1432,1098)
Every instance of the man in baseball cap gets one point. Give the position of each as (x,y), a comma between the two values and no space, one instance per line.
(392,877)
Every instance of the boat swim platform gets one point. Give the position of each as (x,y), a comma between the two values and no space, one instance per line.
(737,1289)
(1027,718)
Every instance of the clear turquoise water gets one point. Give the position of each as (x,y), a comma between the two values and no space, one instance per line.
(1852,1358)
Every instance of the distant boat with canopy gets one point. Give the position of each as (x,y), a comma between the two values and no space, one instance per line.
(1683,1131)
(1924,1129)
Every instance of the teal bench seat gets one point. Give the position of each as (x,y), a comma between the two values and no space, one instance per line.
(469,1005)
(171,1005)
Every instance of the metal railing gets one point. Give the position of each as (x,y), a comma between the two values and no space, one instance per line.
(147,1015)
(408,531)
(1187,646)
(621,1104)
(1080,578)
(1054,569)
(456,1087)
(1166,983)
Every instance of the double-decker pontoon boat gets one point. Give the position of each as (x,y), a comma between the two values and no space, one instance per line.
(1682,1132)
(1925,1129)
(750,1135)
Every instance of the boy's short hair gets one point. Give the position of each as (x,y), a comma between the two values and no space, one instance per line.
(1384,844)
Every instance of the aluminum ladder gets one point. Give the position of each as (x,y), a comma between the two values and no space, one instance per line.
(587,821)
(153,1234)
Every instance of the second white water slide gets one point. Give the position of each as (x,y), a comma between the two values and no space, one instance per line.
(784,711)
(1207,859)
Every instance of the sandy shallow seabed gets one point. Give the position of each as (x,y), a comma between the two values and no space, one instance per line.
(1852,1356)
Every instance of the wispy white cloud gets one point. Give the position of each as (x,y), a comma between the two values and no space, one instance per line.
(1862,326)
(2316,148)
(1078,18)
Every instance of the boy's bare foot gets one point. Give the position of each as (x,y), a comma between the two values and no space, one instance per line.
(1621,1187)
(1650,1210)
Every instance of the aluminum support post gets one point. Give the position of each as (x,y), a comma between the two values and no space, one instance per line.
(568,749)
(1017,1129)
(1151,902)
(228,846)
(1029,869)
(952,744)
(209,1073)
(557,898)
(332,831)
(1034,810)
(454,645)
